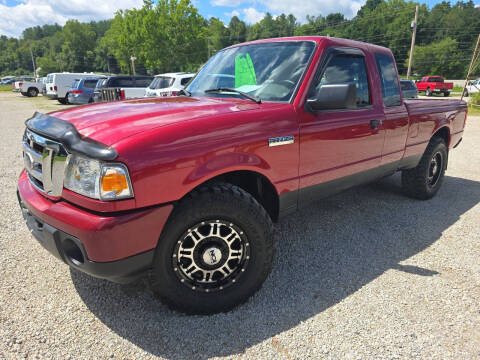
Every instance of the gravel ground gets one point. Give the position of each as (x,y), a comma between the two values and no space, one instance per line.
(364,274)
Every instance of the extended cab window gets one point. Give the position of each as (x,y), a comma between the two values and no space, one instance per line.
(389,80)
(342,69)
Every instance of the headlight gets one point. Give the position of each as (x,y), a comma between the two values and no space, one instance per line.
(98,180)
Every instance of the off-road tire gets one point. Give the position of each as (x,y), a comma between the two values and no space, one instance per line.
(215,201)
(415,182)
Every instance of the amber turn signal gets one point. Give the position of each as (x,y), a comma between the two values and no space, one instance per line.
(115,183)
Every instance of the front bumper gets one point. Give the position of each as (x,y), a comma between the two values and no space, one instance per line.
(118,247)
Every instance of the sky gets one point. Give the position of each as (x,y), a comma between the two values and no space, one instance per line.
(16,15)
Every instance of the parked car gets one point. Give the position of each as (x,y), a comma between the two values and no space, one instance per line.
(473,87)
(409,90)
(81,91)
(19,80)
(58,84)
(434,84)
(185,189)
(121,87)
(7,80)
(33,88)
(168,84)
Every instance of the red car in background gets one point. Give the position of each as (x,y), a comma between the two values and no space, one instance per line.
(434,84)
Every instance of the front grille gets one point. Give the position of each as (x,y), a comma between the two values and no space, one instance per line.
(45,162)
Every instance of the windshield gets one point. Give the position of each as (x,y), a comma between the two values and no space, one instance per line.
(269,71)
(161,82)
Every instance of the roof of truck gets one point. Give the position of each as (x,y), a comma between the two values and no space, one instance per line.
(318,40)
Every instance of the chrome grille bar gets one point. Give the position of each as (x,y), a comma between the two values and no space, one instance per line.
(48,167)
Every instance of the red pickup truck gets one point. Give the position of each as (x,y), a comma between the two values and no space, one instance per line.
(434,84)
(185,189)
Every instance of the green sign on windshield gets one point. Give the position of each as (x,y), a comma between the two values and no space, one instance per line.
(244,70)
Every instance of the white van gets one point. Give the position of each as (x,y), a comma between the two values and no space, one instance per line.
(58,84)
(168,84)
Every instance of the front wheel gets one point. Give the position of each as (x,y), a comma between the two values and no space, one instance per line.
(424,181)
(215,251)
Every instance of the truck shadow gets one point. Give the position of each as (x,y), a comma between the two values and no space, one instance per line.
(324,253)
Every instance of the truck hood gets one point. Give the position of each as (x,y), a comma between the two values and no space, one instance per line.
(111,122)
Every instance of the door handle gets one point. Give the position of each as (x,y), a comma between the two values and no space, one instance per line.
(374,124)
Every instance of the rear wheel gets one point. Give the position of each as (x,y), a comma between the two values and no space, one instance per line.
(423,181)
(446,93)
(428,92)
(63,100)
(215,252)
(32,92)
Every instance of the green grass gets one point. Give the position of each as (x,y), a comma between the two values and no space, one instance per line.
(475,111)
(5,87)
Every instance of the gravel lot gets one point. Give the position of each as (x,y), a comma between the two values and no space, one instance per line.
(364,274)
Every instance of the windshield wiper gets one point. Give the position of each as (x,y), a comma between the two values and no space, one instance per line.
(245,95)
(184,92)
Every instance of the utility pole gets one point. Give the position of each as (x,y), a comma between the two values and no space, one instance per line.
(472,64)
(133,58)
(412,47)
(33,61)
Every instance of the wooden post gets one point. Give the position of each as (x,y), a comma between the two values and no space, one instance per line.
(471,67)
(412,47)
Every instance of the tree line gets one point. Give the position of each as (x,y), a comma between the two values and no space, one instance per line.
(171,35)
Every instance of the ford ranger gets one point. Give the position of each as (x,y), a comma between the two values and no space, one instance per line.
(185,189)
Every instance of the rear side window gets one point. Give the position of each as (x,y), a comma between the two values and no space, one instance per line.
(388,78)
(142,82)
(185,81)
(122,82)
(343,69)
(90,83)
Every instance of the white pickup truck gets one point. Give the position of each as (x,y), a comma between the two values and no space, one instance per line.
(33,88)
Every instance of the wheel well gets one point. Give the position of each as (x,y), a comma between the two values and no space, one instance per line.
(443,133)
(255,184)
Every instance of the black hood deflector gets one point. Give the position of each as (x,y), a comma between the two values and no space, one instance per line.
(64,132)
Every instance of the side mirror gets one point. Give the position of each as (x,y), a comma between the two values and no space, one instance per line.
(334,96)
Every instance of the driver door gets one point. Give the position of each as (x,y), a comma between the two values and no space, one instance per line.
(340,148)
